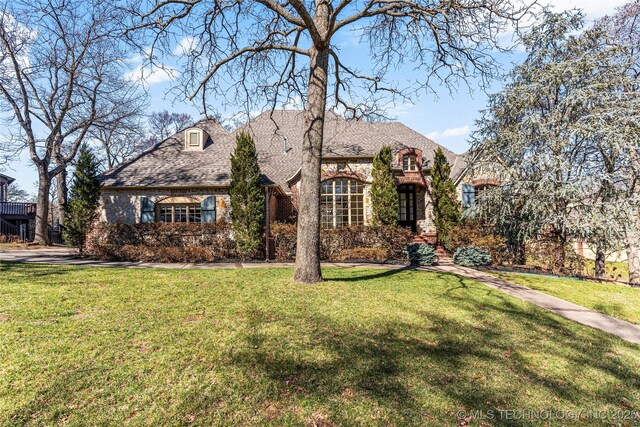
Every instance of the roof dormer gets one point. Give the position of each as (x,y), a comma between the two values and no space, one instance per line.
(194,139)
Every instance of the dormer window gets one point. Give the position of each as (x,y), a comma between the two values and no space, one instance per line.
(194,139)
(409,162)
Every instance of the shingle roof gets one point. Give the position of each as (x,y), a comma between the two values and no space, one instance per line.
(278,137)
(7,178)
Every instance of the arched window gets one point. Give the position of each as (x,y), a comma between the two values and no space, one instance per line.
(341,202)
(409,162)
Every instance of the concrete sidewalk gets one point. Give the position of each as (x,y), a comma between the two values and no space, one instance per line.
(612,325)
(623,329)
(64,256)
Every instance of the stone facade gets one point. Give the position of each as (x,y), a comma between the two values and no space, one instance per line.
(123,205)
(362,170)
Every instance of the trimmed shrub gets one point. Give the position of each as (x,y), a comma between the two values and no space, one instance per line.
(162,242)
(446,206)
(481,238)
(284,239)
(363,254)
(334,241)
(544,254)
(384,195)
(470,256)
(420,254)
(8,238)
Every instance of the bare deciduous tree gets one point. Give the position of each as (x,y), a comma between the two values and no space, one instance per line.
(62,70)
(17,194)
(124,135)
(268,50)
(163,124)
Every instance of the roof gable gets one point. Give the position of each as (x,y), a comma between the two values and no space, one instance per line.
(278,137)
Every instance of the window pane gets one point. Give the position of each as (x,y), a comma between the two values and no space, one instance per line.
(409,162)
(342,210)
(341,202)
(195,213)
(179,213)
(194,139)
(326,209)
(165,213)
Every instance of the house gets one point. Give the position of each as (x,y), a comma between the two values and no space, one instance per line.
(13,215)
(185,177)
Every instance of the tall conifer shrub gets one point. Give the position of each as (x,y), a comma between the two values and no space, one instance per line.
(84,198)
(247,200)
(446,207)
(384,196)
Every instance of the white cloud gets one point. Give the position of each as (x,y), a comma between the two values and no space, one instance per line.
(402,110)
(449,133)
(148,75)
(592,8)
(185,46)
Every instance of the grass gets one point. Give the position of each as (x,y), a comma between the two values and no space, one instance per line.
(613,270)
(103,346)
(613,299)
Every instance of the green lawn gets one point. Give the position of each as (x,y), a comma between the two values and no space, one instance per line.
(614,270)
(614,299)
(102,346)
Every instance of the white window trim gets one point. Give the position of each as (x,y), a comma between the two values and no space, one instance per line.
(187,139)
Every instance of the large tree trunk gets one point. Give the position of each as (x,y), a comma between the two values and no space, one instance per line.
(62,192)
(632,246)
(42,209)
(307,269)
(600,261)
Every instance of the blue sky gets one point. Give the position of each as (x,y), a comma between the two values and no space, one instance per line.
(447,118)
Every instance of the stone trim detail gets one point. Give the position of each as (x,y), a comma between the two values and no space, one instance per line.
(485,181)
(344,174)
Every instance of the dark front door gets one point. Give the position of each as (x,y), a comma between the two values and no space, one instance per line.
(407,208)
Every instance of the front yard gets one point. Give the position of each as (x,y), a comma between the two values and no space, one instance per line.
(97,346)
(614,299)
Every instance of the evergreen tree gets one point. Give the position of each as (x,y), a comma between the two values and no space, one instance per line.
(384,196)
(247,201)
(446,207)
(562,136)
(84,198)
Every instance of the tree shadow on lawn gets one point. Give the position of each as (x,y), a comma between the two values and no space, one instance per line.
(403,367)
(417,367)
(18,270)
(366,275)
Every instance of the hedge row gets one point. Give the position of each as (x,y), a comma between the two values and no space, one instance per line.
(384,242)
(163,242)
